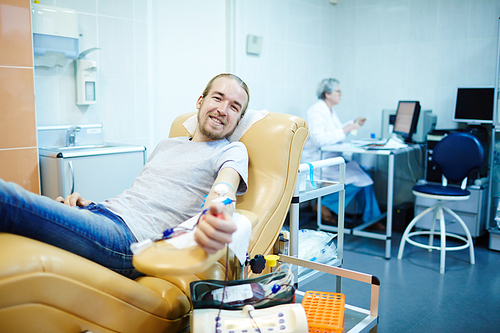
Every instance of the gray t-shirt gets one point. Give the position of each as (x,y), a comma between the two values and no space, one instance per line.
(171,187)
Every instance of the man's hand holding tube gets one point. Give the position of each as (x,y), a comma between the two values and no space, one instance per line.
(215,228)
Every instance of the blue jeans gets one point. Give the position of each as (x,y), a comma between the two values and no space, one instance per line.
(92,232)
(364,195)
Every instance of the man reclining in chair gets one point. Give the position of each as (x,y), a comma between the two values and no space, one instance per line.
(169,190)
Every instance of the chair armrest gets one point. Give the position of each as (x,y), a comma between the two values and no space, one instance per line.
(163,259)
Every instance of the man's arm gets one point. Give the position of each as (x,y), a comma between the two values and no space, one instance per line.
(213,232)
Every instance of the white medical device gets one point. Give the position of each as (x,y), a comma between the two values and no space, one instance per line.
(86,74)
(286,318)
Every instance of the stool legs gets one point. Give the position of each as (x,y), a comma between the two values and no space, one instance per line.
(438,209)
(467,232)
(442,231)
(408,229)
(433,223)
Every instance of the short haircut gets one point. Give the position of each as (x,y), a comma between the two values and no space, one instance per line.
(326,87)
(234,77)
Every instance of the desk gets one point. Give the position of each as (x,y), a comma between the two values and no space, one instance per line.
(359,230)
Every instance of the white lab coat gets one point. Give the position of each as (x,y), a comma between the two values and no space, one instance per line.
(326,129)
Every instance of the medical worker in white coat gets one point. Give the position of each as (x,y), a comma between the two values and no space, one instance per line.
(326,129)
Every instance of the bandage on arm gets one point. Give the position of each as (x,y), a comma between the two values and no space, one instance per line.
(230,178)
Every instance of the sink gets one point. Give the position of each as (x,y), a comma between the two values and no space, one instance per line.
(89,139)
(98,146)
(88,150)
(60,135)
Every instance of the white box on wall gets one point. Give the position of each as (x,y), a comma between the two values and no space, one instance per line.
(254,44)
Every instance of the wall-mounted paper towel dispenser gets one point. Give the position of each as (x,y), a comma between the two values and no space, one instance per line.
(55,35)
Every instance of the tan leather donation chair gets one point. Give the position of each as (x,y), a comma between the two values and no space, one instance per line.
(46,289)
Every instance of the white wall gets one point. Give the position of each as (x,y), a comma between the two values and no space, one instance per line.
(382,51)
(189,48)
(423,50)
(297,53)
(157,56)
(120,29)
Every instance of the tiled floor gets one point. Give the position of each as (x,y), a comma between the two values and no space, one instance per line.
(414,296)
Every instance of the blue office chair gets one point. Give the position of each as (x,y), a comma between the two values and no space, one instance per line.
(457,155)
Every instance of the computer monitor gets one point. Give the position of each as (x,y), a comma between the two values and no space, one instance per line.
(474,105)
(406,120)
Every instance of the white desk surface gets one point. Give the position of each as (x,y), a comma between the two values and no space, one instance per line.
(353,148)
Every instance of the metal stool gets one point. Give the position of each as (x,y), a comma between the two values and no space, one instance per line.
(457,155)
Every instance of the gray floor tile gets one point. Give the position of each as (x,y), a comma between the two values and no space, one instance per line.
(414,296)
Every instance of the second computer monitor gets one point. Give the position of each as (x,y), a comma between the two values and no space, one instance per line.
(406,120)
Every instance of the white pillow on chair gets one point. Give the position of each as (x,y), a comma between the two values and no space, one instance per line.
(250,118)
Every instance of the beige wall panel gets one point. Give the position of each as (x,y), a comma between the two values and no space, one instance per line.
(15,33)
(17,108)
(21,167)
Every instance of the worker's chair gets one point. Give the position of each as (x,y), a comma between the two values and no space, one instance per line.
(457,155)
(46,289)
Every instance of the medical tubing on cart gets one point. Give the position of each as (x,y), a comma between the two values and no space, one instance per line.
(311,174)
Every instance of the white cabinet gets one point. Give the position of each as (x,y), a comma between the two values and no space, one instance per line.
(97,175)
